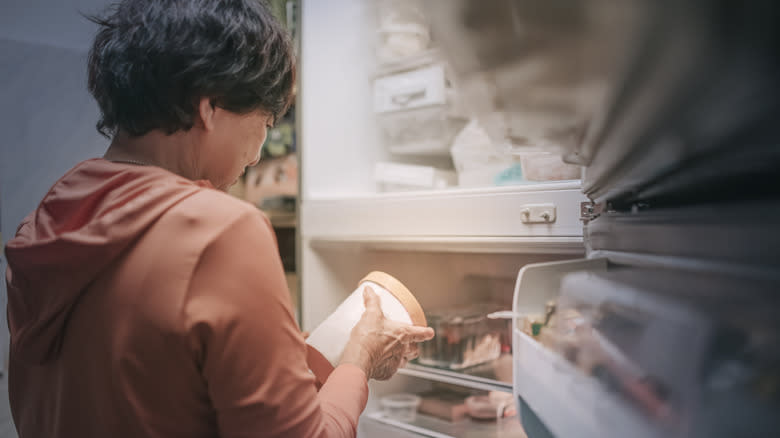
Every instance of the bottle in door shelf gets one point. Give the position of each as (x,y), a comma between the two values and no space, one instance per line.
(534,323)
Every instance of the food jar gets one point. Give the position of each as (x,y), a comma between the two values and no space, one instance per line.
(326,343)
(401,407)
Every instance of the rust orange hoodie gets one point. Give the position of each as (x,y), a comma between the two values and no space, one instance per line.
(144,304)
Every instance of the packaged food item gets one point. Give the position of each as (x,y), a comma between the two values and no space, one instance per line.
(464,337)
(492,406)
(401,407)
(444,404)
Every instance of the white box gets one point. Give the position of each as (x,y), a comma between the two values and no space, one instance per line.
(400,177)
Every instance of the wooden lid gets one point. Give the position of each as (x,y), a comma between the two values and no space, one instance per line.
(401,293)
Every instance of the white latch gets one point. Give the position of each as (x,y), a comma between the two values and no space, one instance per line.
(537,213)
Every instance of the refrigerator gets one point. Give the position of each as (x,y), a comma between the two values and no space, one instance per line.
(661,256)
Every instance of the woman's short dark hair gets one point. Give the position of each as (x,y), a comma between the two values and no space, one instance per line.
(153,60)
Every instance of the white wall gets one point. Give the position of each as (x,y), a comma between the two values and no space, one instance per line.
(47,117)
(335,105)
(49,22)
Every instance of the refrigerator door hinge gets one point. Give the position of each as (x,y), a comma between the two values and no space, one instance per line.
(586,212)
(590,211)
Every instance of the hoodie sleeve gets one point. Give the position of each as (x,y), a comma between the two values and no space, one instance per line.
(242,332)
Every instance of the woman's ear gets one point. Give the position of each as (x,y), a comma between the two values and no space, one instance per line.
(206,113)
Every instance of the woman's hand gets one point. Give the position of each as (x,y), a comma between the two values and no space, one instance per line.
(380,346)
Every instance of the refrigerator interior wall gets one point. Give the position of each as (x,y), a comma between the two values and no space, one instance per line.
(338,135)
(439,280)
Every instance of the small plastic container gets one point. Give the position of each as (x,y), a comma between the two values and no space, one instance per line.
(420,131)
(400,407)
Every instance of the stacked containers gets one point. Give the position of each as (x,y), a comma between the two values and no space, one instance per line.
(416,111)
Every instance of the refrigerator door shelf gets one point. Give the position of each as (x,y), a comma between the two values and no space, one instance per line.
(558,395)
(566,402)
(646,352)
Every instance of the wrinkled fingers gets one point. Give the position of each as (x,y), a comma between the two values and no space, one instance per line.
(412,352)
(415,334)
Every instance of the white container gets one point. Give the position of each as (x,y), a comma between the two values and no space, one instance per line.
(394,177)
(326,342)
(544,166)
(421,131)
(402,30)
(401,407)
(398,41)
(412,89)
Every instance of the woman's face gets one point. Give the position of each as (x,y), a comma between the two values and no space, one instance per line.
(232,145)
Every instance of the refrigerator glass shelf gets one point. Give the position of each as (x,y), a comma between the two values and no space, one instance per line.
(480,377)
(433,427)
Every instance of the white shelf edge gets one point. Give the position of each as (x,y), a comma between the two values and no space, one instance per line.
(378,416)
(455,378)
(541,186)
(478,244)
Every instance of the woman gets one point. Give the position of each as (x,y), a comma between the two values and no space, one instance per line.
(142,301)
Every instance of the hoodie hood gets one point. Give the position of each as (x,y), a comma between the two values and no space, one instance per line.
(82,225)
